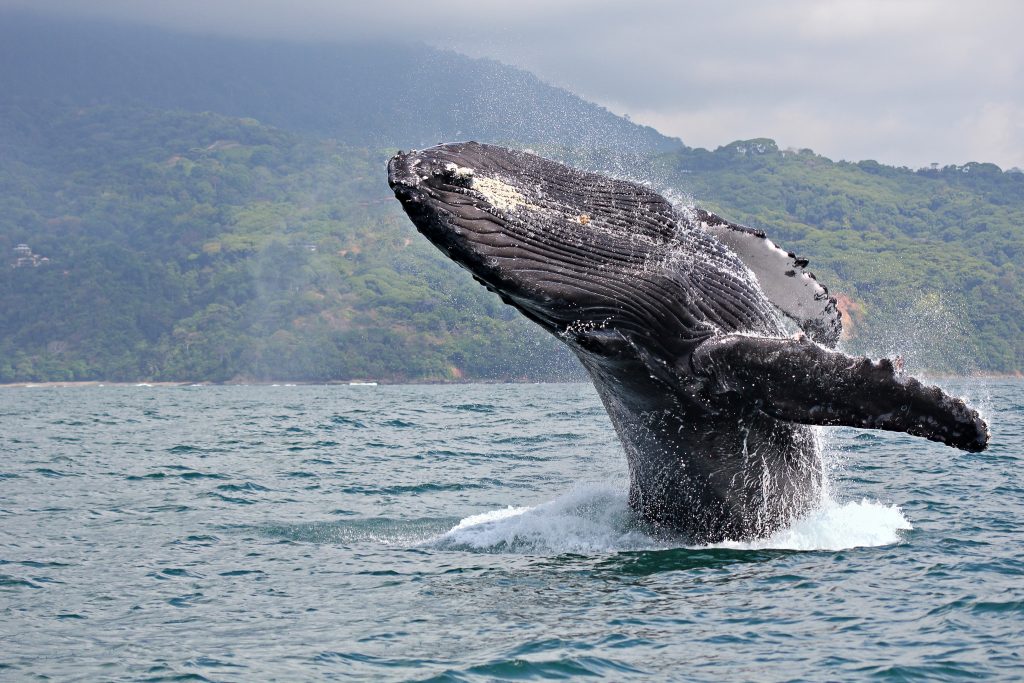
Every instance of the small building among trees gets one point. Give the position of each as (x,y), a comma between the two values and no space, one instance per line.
(24,258)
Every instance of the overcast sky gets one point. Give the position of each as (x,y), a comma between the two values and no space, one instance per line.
(905,82)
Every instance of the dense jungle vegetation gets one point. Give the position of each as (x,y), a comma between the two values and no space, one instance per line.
(201,247)
(199,232)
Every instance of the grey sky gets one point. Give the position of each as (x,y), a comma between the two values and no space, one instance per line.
(906,82)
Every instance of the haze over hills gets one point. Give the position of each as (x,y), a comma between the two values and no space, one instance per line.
(365,94)
(216,209)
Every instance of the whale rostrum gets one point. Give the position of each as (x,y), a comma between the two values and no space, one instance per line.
(679,318)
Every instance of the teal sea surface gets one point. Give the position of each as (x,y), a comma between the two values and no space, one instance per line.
(475,533)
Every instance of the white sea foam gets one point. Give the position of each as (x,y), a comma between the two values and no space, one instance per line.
(597,519)
(585,520)
(836,526)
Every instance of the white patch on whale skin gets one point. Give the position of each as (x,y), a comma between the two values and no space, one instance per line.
(500,194)
(460,172)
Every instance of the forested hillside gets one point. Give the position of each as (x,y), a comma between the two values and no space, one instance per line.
(201,247)
(218,210)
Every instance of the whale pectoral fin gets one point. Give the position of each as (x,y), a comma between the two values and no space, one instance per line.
(783,276)
(800,381)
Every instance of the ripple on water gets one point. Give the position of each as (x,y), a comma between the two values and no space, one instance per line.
(197,539)
(13,582)
(383,530)
(247,487)
(186,448)
(234,500)
(244,572)
(192,475)
(144,477)
(433,487)
(543,668)
(398,423)
(336,421)
(47,472)
(36,564)
(472,407)
(174,573)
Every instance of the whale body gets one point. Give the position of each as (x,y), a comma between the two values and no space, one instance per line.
(684,321)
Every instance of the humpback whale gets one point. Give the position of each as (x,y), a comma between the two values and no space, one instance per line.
(685,322)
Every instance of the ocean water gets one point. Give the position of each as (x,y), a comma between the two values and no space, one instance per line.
(472,533)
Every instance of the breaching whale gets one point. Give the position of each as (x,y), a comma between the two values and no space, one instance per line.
(679,318)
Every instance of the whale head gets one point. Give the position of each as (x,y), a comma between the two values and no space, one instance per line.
(576,252)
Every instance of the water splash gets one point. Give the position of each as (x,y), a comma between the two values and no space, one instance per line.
(597,519)
(586,520)
(836,526)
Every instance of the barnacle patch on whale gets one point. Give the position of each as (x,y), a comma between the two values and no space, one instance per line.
(500,194)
